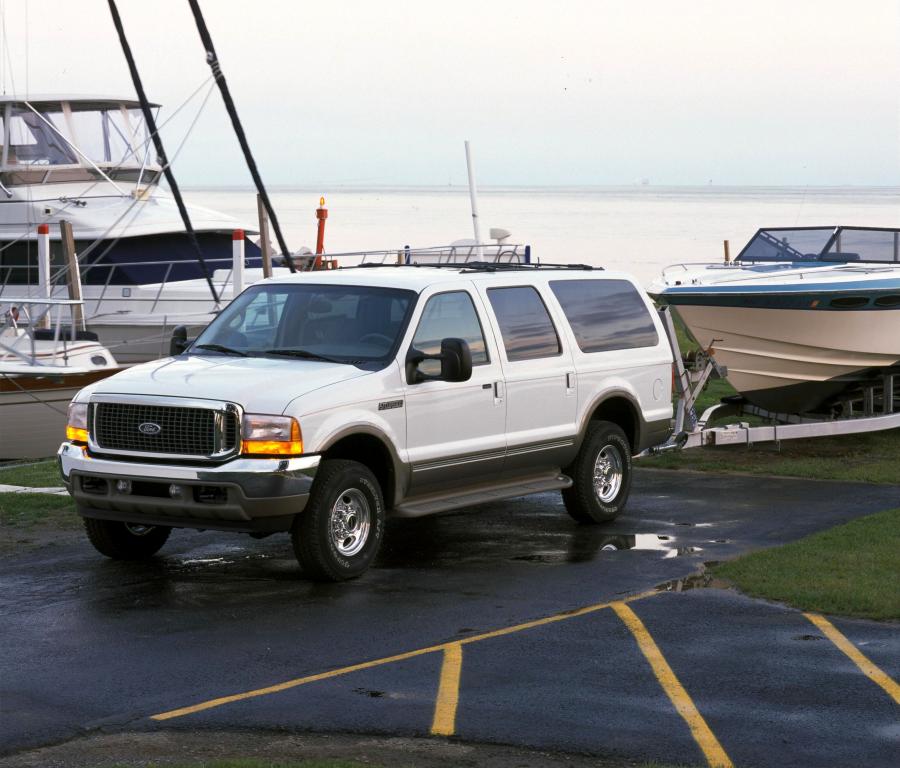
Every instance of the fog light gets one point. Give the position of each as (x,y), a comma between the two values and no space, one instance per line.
(123,486)
(175,491)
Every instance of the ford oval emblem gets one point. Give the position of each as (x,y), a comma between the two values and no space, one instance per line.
(149,428)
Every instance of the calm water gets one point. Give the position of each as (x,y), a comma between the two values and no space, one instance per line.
(638,229)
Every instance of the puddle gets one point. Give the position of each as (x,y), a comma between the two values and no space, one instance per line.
(369,693)
(667,545)
(703,580)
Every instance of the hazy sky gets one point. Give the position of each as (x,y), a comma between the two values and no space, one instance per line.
(803,92)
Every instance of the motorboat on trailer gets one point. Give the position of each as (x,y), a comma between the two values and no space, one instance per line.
(802,319)
(90,161)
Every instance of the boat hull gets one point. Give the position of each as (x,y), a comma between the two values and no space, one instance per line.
(794,361)
(33,411)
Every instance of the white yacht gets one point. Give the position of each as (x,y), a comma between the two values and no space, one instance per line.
(90,161)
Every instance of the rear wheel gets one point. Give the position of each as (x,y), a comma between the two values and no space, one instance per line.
(125,541)
(339,533)
(601,475)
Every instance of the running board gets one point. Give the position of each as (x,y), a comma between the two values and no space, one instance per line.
(434,503)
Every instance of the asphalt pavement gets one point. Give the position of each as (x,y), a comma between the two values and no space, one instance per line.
(505,624)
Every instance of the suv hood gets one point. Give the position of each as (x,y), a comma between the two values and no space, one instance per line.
(258,384)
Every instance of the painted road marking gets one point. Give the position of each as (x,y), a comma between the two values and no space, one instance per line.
(706,740)
(869,669)
(444,723)
(288,684)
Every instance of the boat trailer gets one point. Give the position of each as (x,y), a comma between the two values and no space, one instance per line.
(875,407)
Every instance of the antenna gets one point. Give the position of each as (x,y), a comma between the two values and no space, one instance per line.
(473,198)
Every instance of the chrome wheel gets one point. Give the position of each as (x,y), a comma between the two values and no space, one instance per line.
(350,522)
(608,473)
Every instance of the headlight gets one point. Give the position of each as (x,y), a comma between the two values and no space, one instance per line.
(270,436)
(77,423)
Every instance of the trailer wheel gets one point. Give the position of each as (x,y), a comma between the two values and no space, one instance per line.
(601,475)
(339,533)
(125,541)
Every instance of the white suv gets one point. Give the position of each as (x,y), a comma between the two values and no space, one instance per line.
(319,403)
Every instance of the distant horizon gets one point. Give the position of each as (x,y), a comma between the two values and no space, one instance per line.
(498,187)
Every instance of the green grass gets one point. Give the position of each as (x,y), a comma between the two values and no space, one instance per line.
(43,474)
(24,512)
(849,570)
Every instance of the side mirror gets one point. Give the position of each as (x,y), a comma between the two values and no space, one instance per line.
(179,341)
(456,363)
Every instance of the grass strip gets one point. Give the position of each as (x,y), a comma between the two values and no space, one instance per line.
(849,570)
(41,474)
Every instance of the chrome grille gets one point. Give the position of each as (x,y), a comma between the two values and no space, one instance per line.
(182,431)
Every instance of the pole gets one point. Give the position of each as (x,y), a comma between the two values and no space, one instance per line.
(237,262)
(321,215)
(473,199)
(73,275)
(264,245)
(45,288)
(727,252)
(213,61)
(158,145)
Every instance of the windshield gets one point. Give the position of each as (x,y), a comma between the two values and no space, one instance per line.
(106,134)
(346,323)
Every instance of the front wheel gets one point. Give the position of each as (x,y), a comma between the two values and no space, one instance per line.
(125,541)
(601,475)
(339,533)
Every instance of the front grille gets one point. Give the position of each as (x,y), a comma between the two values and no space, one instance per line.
(201,432)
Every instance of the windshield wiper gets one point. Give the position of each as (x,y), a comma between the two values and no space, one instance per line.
(220,348)
(305,354)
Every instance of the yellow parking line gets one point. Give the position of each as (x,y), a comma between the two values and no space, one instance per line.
(444,723)
(706,740)
(288,684)
(868,668)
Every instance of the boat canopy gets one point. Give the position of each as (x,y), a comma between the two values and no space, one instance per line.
(832,244)
(47,140)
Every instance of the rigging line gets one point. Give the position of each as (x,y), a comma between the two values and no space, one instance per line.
(193,124)
(213,62)
(160,150)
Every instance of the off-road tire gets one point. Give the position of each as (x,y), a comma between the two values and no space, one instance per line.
(122,541)
(313,534)
(582,500)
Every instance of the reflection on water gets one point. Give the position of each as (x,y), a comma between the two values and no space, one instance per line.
(586,548)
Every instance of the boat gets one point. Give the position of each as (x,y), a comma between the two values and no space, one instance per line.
(42,365)
(802,319)
(89,160)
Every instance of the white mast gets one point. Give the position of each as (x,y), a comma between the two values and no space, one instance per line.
(473,197)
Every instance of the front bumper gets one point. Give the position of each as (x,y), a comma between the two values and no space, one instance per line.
(252,495)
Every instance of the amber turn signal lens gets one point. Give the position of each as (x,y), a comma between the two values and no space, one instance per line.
(258,432)
(76,435)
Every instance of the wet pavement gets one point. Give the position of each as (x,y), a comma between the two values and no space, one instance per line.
(94,644)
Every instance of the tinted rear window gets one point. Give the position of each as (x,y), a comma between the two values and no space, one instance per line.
(525,325)
(605,314)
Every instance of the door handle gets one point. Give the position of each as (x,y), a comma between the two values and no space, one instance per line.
(570,381)
(498,392)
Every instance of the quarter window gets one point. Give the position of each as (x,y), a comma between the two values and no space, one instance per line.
(449,315)
(605,315)
(527,330)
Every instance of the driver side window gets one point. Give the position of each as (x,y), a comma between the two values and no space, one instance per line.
(449,315)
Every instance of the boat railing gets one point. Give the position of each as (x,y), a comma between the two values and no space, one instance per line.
(497,253)
(25,317)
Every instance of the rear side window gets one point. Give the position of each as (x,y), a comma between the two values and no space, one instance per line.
(605,314)
(525,324)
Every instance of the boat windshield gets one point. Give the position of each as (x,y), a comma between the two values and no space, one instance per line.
(342,323)
(107,134)
(832,244)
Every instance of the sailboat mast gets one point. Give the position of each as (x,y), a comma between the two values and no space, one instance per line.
(157,143)
(213,62)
